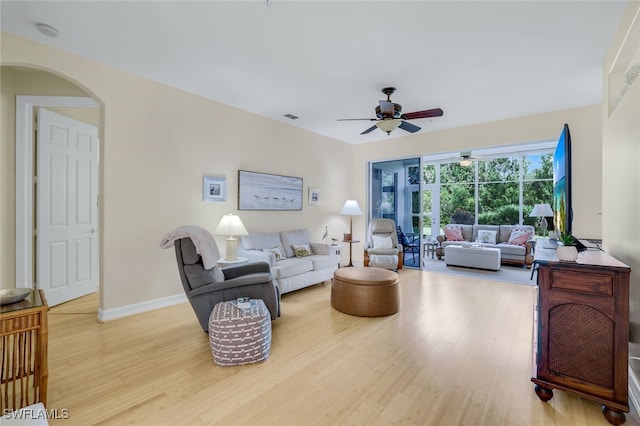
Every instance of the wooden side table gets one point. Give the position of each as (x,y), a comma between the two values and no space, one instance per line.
(23,350)
(351,242)
(223,263)
(429,249)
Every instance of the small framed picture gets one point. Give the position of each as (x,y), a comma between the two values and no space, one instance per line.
(314,196)
(214,188)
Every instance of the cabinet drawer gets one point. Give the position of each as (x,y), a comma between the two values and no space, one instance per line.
(595,283)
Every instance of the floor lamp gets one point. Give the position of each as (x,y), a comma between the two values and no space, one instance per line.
(350,208)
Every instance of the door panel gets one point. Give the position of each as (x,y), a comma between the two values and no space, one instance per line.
(431,211)
(67,207)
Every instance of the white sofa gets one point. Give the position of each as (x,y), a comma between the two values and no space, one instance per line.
(290,272)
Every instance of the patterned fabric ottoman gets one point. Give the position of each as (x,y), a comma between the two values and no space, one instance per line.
(240,336)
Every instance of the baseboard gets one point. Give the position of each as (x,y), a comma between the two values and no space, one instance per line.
(634,390)
(105,315)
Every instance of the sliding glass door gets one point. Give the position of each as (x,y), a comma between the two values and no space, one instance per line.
(395,193)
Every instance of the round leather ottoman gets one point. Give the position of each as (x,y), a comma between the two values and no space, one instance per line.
(365,292)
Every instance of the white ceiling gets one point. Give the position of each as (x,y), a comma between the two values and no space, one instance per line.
(322,60)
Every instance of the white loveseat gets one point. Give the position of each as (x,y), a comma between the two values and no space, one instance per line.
(290,272)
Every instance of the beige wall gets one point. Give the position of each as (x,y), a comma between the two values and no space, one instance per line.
(620,159)
(586,133)
(24,81)
(156,144)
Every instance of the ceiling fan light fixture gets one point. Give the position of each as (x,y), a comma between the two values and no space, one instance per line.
(388,125)
(466,162)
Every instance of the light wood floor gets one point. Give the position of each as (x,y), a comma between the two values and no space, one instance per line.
(458,353)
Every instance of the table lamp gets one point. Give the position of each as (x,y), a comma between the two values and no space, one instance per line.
(542,211)
(350,208)
(231,226)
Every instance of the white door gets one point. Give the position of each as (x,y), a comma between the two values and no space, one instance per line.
(431,211)
(67,207)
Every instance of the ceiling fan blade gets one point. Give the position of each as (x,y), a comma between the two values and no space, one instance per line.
(357,119)
(369,130)
(436,112)
(411,128)
(386,108)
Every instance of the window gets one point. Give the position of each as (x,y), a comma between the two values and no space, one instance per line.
(498,190)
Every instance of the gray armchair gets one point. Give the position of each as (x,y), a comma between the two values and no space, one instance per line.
(207,287)
(382,249)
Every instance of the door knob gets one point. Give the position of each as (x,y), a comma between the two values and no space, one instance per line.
(94,230)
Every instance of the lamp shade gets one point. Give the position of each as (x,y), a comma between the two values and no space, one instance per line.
(465,162)
(230,224)
(541,210)
(351,208)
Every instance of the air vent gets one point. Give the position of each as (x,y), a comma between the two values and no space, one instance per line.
(291,116)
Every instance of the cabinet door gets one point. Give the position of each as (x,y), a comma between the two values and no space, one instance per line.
(580,326)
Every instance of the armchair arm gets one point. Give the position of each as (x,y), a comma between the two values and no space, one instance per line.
(257,278)
(529,247)
(321,248)
(232,272)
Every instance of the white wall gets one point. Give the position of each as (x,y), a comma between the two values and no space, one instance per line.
(621,179)
(156,144)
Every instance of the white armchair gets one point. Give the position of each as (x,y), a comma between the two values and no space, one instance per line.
(382,249)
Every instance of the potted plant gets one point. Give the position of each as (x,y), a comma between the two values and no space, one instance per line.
(567,252)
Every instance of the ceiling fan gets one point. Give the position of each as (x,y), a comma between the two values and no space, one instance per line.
(466,159)
(389,116)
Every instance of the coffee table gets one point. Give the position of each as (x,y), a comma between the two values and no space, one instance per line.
(472,256)
(366,291)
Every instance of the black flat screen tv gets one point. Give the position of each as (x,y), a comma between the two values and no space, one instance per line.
(562,211)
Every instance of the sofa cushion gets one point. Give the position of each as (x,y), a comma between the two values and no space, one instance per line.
(262,240)
(292,266)
(382,242)
(486,237)
(321,261)
(198,276)
(289,238)
(518,237)
(505,231)
(477,228)
(453,233)
(383,251)
(301,250)
(277,251)
(510,249)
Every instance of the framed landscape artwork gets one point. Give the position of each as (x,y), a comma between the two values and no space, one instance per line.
(263,191)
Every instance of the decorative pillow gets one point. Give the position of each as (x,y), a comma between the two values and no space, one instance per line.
(276,251)
(301,250)
(453,233)
(382,242)
(486,237)
(519,237)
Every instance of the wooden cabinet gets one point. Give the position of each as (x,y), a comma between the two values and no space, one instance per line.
(582,330)
(23,350)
